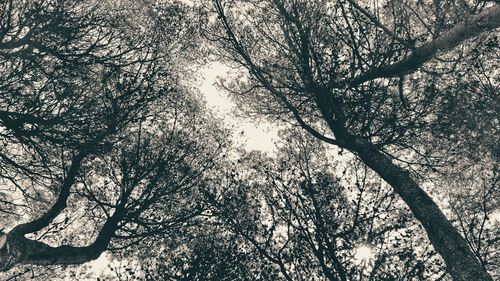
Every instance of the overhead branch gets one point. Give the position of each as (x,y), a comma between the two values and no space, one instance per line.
(483,22)
(379,24)
(58,206)
(18,118)
(17,249)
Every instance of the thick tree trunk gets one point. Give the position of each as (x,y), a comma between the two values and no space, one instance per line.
(447,241)
(21,250)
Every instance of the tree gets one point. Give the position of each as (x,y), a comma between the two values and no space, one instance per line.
(368,79)
(305,221)
(209,253)
(96,130)
(474,203)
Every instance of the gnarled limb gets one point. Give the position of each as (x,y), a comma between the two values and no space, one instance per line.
(480,23)
(58,206)
(17,249)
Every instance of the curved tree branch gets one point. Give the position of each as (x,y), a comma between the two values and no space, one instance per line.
(58,206)
(17,249)
(488,20)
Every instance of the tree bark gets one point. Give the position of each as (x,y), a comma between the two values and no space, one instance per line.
(460,261)
(21,250)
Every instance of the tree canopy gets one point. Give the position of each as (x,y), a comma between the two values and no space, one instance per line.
(385,168)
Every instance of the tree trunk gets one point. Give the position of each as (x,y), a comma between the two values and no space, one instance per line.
(461,263)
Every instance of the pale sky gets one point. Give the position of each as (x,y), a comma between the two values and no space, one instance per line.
(252,135)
